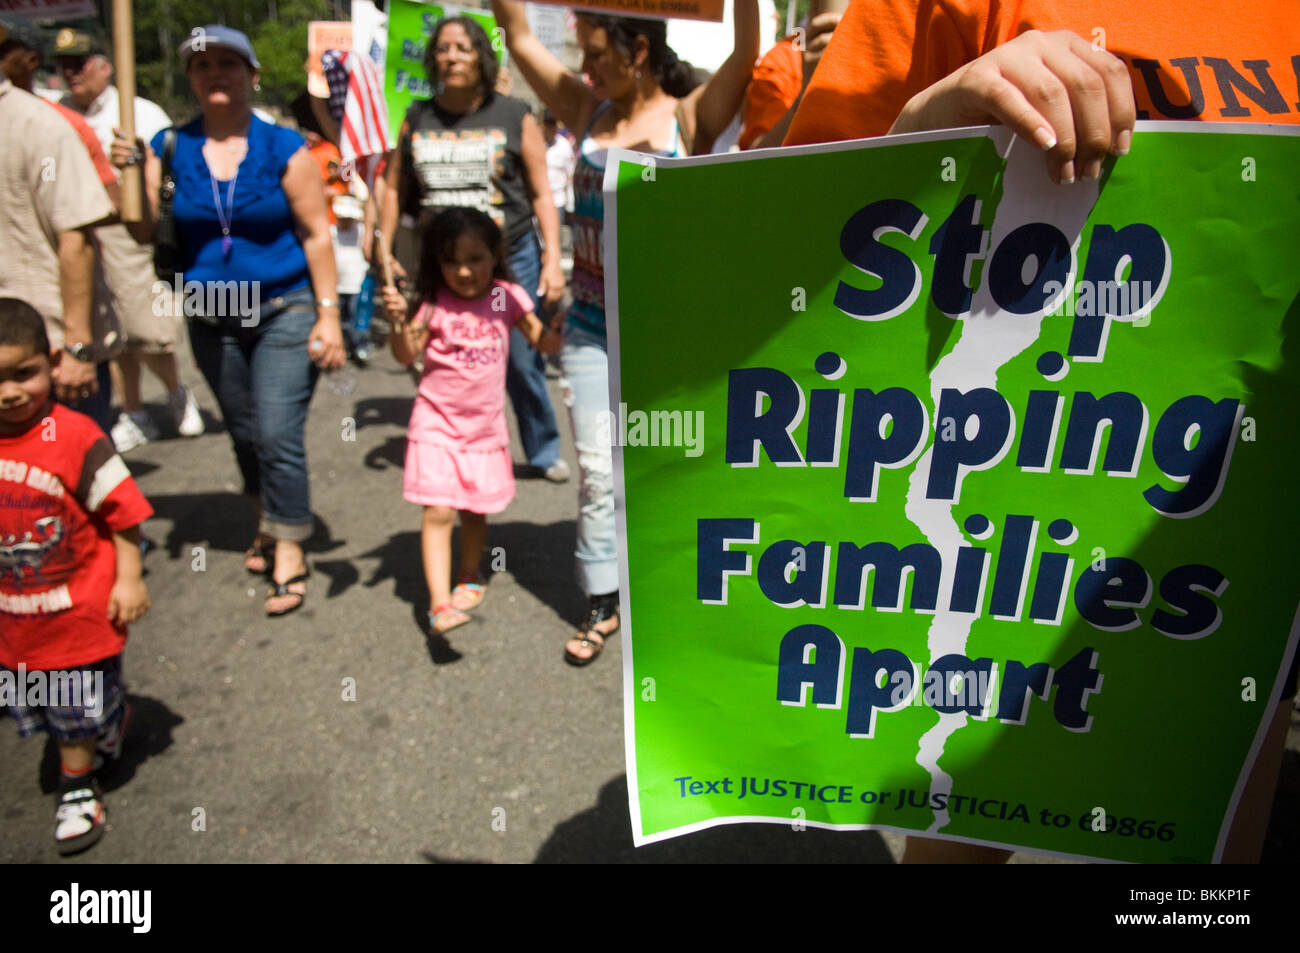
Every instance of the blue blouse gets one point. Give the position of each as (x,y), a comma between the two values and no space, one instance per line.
(264,245)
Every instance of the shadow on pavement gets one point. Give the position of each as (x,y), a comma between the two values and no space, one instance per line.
(222,521)
(603,835)
(372,411)
(540,557)
(150,734)
(391,453)
(401,561)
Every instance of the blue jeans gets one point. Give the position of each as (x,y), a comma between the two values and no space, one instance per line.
(347,319)
(586,393)
(98,407)
(526,373)
(263,379)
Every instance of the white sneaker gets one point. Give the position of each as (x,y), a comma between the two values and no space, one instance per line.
(557,472)
(185,413)
(127,433)
(79,819)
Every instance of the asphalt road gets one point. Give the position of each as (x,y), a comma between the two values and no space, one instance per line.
(484,748)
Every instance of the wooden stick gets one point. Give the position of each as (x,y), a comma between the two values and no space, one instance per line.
(385,259)
(124,65)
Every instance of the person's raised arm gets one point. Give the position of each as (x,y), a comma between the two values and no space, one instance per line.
(533,149)
(301,184)
(1072,100)
(563,92)
(710,108)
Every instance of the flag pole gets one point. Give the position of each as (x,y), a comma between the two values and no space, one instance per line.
(385,259)
(124,65)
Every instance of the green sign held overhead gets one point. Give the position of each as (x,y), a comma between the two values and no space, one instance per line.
(410,25)
(953,501)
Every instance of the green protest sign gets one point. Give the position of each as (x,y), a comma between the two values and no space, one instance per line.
(410,25)
(953,500)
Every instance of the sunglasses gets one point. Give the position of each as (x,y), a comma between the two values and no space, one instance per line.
(75,64)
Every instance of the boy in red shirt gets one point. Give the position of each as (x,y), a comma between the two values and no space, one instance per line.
(69,573)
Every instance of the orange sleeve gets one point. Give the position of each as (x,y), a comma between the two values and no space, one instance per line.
(882,54)
(775,86)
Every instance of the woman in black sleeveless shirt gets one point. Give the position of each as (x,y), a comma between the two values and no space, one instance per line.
(471,147)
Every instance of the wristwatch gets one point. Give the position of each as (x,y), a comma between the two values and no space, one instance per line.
(81,352)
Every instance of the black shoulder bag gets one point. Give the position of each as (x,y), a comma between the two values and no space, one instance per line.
(166,248)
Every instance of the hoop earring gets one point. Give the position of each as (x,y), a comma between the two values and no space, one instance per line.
(257,87)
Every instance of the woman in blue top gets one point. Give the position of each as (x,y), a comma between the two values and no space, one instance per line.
(637,95)
(263,299)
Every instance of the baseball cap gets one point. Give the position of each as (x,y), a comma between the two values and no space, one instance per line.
(215,36)
(70,42)
(20,34)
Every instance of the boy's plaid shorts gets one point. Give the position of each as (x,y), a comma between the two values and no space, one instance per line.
(94,714)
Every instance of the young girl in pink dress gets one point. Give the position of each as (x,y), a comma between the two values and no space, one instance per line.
(458,447)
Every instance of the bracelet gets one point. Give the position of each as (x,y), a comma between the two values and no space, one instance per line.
(327,303)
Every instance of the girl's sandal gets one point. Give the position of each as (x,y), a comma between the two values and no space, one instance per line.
(446,617)
(467,595)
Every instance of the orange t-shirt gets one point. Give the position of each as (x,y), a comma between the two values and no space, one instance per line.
(328,160)
(104,168)
(775,86)
(1188,60)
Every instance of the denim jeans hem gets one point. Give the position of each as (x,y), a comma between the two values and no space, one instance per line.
(597,577)
(289,532)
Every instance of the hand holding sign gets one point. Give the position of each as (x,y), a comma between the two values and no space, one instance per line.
(1072,99)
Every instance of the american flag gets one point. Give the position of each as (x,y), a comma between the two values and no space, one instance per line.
(361,111)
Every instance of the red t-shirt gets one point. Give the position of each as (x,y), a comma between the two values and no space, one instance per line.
(1192,60)
(63,492)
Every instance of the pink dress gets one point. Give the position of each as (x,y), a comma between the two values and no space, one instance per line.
(458,446)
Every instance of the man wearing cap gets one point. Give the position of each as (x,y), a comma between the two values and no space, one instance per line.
(52,198)
(152,333)
(20,58)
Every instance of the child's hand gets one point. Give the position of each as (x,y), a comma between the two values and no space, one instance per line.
(128,601)
(394,304)
(550,341)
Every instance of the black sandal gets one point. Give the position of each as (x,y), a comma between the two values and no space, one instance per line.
(282,589)
(263,550)
(599,609)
